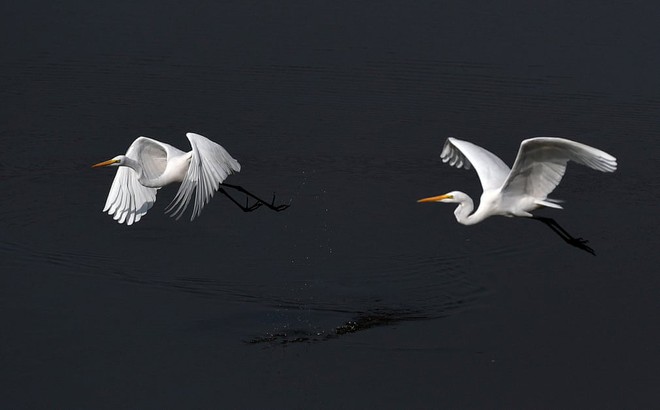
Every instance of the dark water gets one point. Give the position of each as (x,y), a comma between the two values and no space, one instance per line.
(356,296)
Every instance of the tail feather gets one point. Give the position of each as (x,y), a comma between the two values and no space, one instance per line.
(550,203)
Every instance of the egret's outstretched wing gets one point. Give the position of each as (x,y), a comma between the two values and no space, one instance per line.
(541,164)
(129,200)
(210,164)
(462,154)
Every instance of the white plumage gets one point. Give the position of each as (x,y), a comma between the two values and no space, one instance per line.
(150,164)
(536,172)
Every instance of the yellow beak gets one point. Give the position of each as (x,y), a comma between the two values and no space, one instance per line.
(435,198)
(105,163)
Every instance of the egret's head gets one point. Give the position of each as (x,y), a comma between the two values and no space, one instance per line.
(449,198)
(114,162)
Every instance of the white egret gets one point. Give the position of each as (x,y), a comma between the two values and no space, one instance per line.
(537,170)
(150,164)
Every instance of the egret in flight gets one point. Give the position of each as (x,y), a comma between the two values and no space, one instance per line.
(149,165)
(537,170)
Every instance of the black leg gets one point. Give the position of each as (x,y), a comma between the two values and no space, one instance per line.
(260,201)
(563,234)
(246,208)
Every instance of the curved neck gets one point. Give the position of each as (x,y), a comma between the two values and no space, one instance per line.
(464,209)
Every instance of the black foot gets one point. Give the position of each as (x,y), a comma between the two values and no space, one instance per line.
(582,244)
(274,207)
(247,207)
(563,234)
(260,202)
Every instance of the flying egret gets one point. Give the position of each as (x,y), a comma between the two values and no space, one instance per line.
(537,170)
(150,164)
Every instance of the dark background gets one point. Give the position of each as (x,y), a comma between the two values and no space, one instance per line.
(356,296)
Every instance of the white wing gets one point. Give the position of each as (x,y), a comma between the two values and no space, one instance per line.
(462,154)
(541,163)
(151,154)
(210,164)
(129,200)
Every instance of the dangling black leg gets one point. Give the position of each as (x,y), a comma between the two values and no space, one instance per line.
(247,207)
(563,234)
(270,205)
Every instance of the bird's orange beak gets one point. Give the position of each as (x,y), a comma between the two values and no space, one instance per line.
(435,198)
(105,163)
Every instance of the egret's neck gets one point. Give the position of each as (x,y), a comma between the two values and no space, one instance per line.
(464,209)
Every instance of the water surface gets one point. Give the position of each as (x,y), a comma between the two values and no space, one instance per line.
(356,296)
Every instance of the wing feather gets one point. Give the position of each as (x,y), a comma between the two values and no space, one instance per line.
(541,164)
(491,169)
(152,155)
(128,200)
(210,164)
